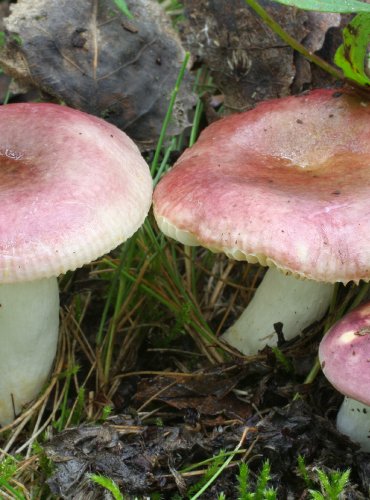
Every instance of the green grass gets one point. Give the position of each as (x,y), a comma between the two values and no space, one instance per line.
(142,283)
(107,484)
(150,289)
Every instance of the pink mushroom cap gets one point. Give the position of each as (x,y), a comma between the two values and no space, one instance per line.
(345,355)
(286,184)
(72,187)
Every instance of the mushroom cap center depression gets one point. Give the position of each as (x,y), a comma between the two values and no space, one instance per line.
(38,203)
(72,187)
(22,176)
(33,199)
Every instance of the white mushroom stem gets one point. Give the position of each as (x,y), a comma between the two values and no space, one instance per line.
(353,420)
(29,324)
(282,299)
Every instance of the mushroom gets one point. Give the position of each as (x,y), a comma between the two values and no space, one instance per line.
(284,185)
(72,187)
(345,360)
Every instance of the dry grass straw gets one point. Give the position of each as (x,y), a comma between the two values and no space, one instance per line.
(149,294)
(157,300)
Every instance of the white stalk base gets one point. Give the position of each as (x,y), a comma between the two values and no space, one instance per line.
(353,420)
(29,324)
(279,298)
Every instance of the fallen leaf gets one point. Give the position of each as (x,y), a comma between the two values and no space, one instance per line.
(210,393)
(140,461)
(88,54)
(247,60)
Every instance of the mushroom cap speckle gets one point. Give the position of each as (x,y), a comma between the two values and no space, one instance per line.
(286,184)
(345,355)
(72,187)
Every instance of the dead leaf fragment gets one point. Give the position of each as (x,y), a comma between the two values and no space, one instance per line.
(248,61)
(209,393)
(89,55)
(139,462)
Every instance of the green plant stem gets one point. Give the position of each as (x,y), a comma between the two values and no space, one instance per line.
(253,4)
(169,113)
(316,367)
(112,328)
(60,423)
(15,493)
(108,302)
(126,259)
(217,473)
(364,289)
(330,319)
(122,6)
(210,460)
(339,6)
(189,265)
(195,128)
(8,93)
(164,163)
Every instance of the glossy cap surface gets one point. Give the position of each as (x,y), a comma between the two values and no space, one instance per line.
(72,187)
(286,184)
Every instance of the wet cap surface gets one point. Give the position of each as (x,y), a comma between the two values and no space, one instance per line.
(72,187)
(345,355)
(285,184)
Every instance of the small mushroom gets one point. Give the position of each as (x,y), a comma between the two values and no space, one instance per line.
(72,187)
(345,360)
(284,185)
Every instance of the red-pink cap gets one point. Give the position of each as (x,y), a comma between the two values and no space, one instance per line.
(72,187)
(285,184)
(345,355)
